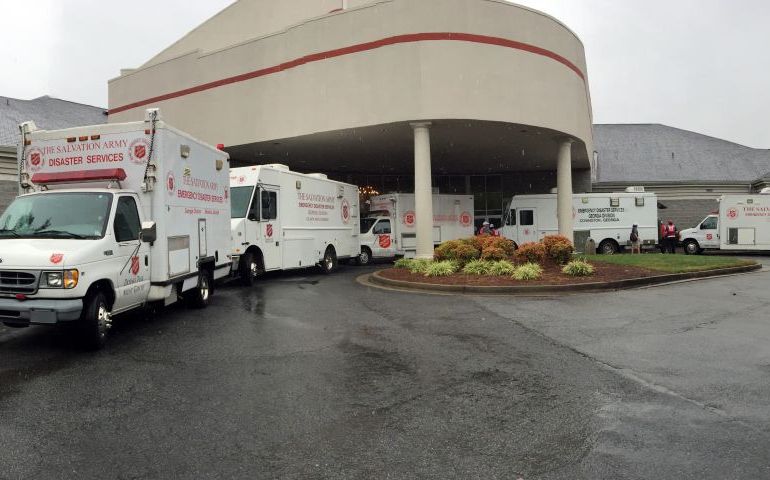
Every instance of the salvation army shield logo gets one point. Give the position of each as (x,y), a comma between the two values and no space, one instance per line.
(732,213)
(35,159)
(409,218)
(134,265)
(138,150)
(269,231)
(345,211)
(170,182)
(465,219)
(384,241)
(56,258)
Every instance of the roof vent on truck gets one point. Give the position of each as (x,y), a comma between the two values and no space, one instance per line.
(322,176)
(765,191)
(635,189)
(278,166)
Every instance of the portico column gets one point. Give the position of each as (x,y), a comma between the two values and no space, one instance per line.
(423,190)
(564,190)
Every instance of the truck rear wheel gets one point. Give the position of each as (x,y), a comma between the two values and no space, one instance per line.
(95,321)
(199,296)
(329,262)
(365,257)
(691,247)
(249,269)
(608,247)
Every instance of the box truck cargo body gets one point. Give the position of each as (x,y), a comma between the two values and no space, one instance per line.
(389,229)
(742,223)
(283,220)
(112,217)
(606,218)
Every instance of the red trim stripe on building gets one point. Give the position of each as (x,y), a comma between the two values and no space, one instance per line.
(362,47)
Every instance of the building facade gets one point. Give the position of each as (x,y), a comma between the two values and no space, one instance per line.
(471,96)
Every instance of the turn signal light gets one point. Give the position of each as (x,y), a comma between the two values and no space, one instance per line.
(71,278)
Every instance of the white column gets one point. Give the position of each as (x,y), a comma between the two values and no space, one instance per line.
(423,190)
(564,190)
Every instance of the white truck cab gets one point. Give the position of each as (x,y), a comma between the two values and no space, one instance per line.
(94,234)
(704,236)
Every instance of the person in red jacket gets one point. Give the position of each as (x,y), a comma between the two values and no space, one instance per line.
(669,237)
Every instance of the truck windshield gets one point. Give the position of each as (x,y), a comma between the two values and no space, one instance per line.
(57,215)
(240,197)
(366,224)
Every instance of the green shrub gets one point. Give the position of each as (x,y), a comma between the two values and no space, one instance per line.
(440,269)
(419,265)
(532,252)
(403,263)
(477,267)
(558,248)
(460,251)
(528,271)
(578,268)
(502,268)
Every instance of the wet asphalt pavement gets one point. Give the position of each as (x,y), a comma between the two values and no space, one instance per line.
(309,376)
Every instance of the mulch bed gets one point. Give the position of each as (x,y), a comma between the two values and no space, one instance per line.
(552,275)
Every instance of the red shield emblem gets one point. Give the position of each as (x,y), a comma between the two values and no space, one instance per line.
(56,258)
(732,213)
(384,241)
(134,265)
(140,151)
(345,211)
(465,219)
(709,236)
(269,230)
(34,159)
(409,218)
(170,182)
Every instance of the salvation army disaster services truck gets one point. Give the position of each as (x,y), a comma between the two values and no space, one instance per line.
(283,220)
(111,218)
(389,229)
(607,218)
(741,223)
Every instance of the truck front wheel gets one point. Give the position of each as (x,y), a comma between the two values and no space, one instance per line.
(199,296)
(608,247)
(691,247)
(249,269)
(329,262)
(365,257)
(95,321)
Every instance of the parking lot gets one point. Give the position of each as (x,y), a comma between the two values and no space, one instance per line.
(312,376)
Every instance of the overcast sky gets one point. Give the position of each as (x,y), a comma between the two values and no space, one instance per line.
(702,65)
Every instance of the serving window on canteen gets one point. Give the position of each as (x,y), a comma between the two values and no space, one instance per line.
(526,217)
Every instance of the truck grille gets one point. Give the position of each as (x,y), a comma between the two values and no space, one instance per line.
(18,282)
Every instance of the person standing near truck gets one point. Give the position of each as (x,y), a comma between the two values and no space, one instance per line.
(669,237)
(636,242)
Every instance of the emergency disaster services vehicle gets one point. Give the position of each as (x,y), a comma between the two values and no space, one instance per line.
(389,229)
(283,220)
(742,223)
(606,218)
(112,218)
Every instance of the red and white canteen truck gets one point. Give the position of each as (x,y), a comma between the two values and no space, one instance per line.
(112,218)
(283,220)
(389,229)
(742,223)
(607,218)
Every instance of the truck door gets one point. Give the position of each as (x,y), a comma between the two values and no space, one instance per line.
(132,256)
(527,228)
(708,236)
(383,245)
(270,225)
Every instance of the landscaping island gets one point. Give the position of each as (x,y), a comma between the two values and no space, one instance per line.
(494,265)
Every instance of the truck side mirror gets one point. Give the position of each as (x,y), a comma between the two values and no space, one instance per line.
(149,233)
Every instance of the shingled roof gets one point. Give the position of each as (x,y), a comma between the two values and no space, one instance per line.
(47,112)
(640,153)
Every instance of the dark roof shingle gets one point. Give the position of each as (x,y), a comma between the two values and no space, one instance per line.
(47,112)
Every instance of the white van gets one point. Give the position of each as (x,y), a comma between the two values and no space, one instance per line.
(742,223)
(282,220)
(112,217)
(607,218)
(389,229)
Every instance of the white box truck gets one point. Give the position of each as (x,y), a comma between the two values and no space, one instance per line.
(283,220)
(389,229)
(606,218)
(111,218)
(741,223)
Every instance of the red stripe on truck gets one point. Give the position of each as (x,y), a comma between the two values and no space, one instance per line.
(361,47)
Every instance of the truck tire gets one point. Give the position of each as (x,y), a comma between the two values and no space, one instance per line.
(608,247)
(691,247)
(329,262)
(199,296)
(248,269)
(95,321)
(365,257)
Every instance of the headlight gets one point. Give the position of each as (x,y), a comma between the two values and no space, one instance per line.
(63,279)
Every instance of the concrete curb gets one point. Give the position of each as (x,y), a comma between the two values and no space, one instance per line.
(557,289)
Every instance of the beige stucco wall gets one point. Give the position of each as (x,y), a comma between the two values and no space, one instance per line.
(396,83)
